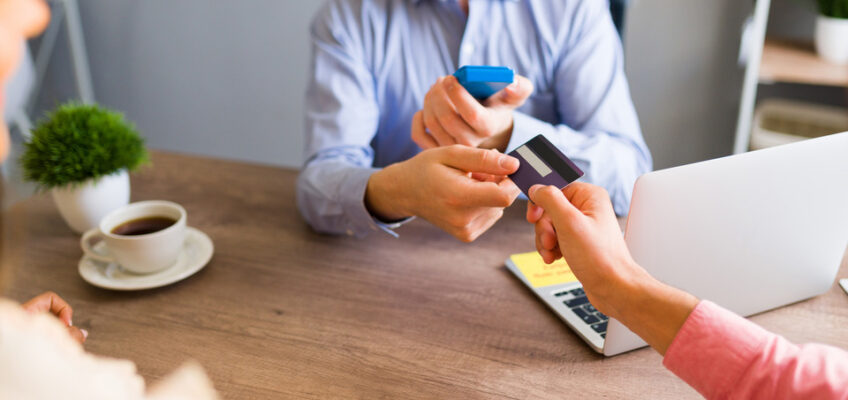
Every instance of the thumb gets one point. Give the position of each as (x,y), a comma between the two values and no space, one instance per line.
(514,95)
(553,201)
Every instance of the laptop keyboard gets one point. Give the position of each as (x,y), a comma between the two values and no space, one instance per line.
(577,301)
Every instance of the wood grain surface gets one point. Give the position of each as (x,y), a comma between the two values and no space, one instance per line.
(282,312)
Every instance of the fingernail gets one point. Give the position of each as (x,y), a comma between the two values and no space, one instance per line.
(507,162)
(70,322)
(84,333)
(451,84)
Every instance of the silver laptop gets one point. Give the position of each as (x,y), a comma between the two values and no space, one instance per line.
(750,232)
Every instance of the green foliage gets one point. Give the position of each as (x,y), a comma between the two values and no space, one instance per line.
(77,142)
(833,8)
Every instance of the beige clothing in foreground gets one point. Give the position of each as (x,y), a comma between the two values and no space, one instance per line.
(40,360)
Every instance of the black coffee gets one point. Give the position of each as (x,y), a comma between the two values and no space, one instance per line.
(143,226)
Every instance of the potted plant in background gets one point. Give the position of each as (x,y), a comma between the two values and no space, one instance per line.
(832,31)
(82,154)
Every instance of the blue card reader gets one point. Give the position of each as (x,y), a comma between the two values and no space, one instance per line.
(482,81)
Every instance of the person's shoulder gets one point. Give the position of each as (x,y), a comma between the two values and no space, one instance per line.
(566,18)
(334,11)
(351,17)
(567,8)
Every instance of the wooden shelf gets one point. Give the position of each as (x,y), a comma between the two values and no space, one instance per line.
(794,62)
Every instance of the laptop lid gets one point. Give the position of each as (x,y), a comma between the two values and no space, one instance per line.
(750,232)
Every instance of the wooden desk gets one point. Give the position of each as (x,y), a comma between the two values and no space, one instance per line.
(283,312)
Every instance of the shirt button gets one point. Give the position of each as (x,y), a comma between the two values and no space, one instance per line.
(349,232)
(468,49)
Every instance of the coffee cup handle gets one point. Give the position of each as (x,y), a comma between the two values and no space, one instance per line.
(89,251)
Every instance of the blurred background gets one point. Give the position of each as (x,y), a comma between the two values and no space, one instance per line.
(227,79)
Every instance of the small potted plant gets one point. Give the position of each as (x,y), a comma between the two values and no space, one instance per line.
(832,31)
(82,154)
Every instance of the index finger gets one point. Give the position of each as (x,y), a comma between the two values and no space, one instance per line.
(51,302)
(471,111)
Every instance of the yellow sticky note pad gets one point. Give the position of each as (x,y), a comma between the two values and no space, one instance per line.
(540,274)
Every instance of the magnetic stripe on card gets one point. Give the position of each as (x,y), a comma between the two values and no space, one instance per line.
(533,160)
(552,157)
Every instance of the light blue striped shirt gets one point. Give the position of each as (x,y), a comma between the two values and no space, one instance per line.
(374,60)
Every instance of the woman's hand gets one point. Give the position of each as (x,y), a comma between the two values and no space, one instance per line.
(52,303)
(578,224)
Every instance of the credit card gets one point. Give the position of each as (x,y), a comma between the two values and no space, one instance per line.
(482,81)
(542,163)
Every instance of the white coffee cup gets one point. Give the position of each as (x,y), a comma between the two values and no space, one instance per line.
(141,254)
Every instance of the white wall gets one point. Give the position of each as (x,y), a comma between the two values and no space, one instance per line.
(681,60)
(226,78)
(215,77)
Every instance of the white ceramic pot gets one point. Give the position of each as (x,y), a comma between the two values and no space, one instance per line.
(82,206)
(832,39)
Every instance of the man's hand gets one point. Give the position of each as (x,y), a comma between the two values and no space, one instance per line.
(437,185)
(450,115)
(52,303)
(578,224)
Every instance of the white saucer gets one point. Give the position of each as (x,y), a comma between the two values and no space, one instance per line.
(197,251)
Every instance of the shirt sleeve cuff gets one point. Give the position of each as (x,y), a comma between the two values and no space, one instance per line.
(389,227)
(360,221)
(713,348)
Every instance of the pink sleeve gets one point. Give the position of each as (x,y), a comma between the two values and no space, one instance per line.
(723,355)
